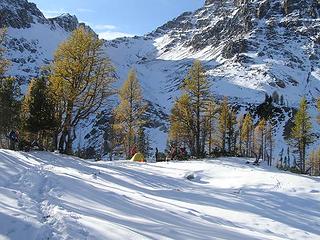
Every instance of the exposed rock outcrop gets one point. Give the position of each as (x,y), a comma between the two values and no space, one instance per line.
(66,21)
(19,14)
(234,47)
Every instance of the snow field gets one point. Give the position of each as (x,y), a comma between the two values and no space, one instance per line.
(50,196)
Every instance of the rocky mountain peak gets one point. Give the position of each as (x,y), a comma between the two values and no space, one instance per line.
(66,21)
(19,14)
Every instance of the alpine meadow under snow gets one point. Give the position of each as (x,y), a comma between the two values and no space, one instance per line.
(51,196)
(207,127)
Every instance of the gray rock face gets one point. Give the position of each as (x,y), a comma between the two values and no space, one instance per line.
(263,9)
(22,14)
(19,14)
(66,21)
(227,21)
(303,7)
(233,48)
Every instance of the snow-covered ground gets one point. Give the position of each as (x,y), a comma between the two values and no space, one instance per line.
(48,196)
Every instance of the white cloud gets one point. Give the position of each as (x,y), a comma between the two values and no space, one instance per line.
(105,27)
(52,13)
(109,35)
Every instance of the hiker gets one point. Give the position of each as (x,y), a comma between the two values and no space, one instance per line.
(13,139)
(133,151)
(174,152)
(183,153)
(157,155)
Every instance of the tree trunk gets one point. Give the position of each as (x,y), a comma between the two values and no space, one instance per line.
(210,138)
(62,141)
(271,149)
(198,144)
(240,143)
(304,157)
(55,137)
(68,129)
(69,142)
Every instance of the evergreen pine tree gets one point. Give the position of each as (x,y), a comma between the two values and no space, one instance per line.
(9,106)
(260,139)
(247,134)
(39,110)
(196,86)
(9,94)
(231,131)
(240,126)
(4,63)
(302,132)
(129,113)
(143,141)
(182,123)
(210,120)
(223,123)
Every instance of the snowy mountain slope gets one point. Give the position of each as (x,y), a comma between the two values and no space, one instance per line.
(249,48)
(32,39)
(48,196)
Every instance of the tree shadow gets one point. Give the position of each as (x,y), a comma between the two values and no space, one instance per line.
(141,200)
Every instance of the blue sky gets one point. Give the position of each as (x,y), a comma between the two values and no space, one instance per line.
(116,18)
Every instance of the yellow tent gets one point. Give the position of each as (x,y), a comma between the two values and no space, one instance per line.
(138,157)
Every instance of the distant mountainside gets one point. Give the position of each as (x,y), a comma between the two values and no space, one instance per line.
(32,38)
(249,48)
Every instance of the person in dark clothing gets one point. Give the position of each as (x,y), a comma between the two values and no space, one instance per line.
(183,153)
(157,155)
(13,139)
(174,152)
